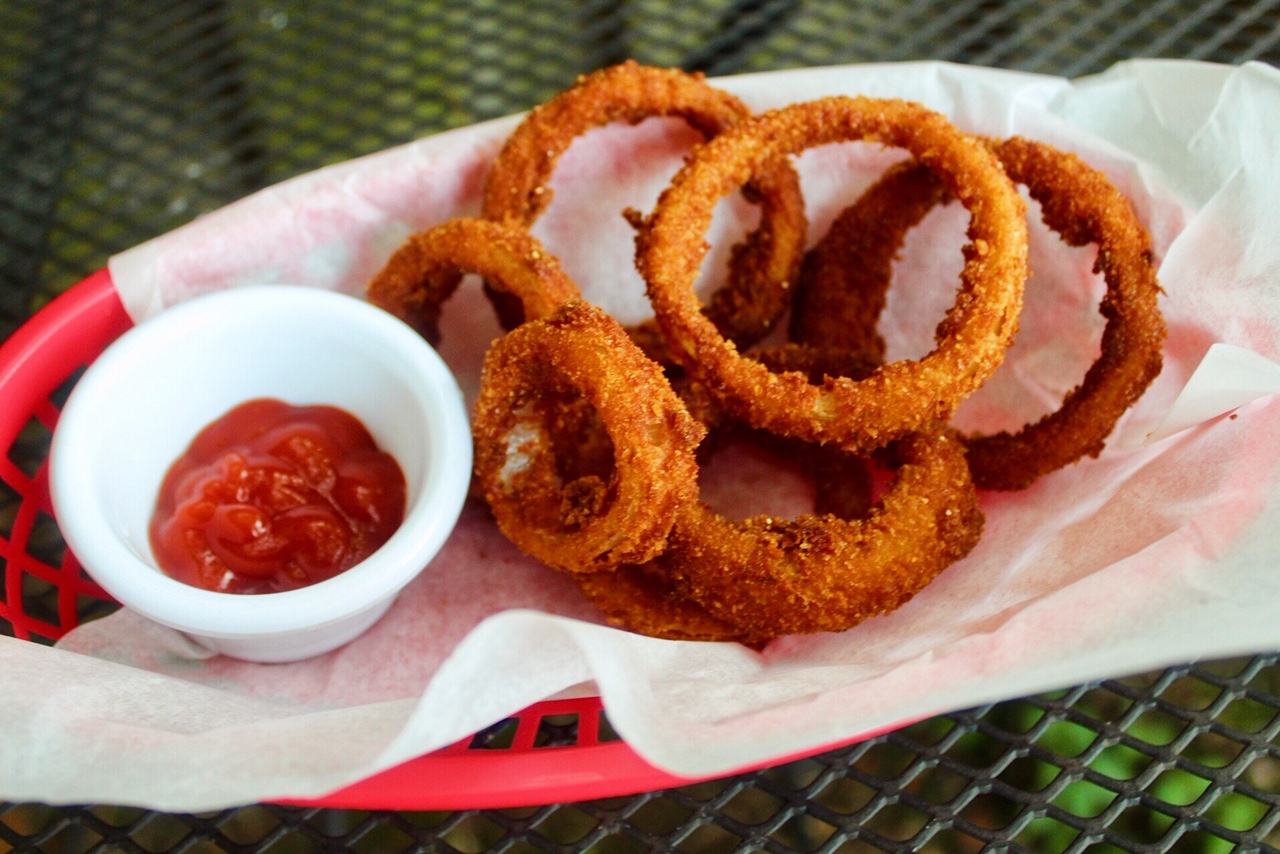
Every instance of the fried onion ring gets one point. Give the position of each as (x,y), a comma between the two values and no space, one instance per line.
(821,573)
(1083,206)
(847,280)
(424,272)
(644,598)
(588,523)
(762,269)
(754,580)
(641,600)
(900,396)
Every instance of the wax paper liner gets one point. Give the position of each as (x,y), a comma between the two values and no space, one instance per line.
(1160,551)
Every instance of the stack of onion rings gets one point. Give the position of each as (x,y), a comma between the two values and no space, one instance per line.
(589,437)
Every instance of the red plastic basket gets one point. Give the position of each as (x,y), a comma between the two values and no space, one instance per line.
(538,757)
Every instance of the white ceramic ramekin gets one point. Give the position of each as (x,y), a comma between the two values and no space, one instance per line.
(142,402)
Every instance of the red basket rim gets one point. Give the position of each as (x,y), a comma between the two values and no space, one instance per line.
(70,332)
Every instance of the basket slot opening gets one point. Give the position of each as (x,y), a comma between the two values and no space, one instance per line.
(31,446)
(498,736)
(557,731)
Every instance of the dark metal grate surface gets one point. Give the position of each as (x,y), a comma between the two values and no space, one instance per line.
(122,119)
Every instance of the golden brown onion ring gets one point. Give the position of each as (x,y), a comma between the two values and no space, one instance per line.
(754,580)
(762,269)
(1083,206)
(641,600)
(770,577)
(588,523)
(644,598)
(846,280)
(424,272)
(900,396)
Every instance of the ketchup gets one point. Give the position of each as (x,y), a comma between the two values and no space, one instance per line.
(274,497)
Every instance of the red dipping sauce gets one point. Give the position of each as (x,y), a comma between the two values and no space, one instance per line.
(273,497)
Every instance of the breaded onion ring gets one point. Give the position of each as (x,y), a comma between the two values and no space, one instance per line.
(754,580)
(898,397)
(424,272)
(641,600)
(762,269)
(815,573)
(1082,206)
(588,523)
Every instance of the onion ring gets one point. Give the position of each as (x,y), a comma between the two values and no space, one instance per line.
(587,523)
(754,580)
(644,598)
(771,577)
(1083,206)
(425,271)
(641,600)
(900,396)
(1079,203)
(762,269)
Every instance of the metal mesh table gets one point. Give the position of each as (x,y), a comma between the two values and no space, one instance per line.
(122,119)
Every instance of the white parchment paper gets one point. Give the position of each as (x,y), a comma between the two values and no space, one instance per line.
(1162,550)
